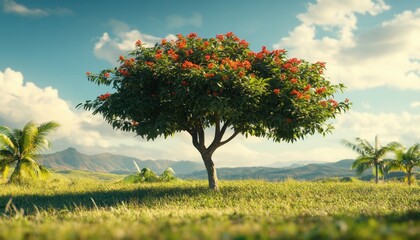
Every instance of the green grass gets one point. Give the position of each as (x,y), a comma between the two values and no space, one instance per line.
(89,209)
(77,174)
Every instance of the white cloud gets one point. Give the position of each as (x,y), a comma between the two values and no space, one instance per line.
(176,21)
(11,6)
(401,127)
(21,102)
(415,104)
(109,48)
(386,55)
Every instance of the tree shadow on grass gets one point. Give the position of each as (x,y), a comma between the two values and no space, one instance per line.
(147,196)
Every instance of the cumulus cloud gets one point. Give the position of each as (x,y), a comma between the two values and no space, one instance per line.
(415,104)
(24,101)
(386,55)
(121,41)
(11,6)
(402,127)
(176,21)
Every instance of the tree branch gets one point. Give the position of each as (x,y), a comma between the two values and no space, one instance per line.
(194,137)
(229,139)
(218,135)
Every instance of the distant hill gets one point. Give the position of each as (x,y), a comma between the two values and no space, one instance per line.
(307,172)
(71,159)
(73,163)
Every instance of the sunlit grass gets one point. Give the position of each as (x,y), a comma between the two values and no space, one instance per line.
(89,209)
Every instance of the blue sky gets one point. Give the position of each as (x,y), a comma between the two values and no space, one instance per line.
(372,46)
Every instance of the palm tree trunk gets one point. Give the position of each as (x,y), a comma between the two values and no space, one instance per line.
(16,172)
(377,161)
(409,177)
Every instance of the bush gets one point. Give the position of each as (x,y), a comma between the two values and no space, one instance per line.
(147,175)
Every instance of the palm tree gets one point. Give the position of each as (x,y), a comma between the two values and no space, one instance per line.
(21,148)
(370,156)
(406,161)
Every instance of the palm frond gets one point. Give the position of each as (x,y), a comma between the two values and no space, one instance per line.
(4,171)
(44,172)
(361,164)
(41,142)
(6,142)
(29,133)
(355,147)
(5,130)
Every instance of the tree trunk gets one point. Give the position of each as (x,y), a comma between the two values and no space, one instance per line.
(376,174)
(409,178)
(16,172)
(211,171)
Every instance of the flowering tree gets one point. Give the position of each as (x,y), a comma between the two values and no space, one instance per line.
(193,83)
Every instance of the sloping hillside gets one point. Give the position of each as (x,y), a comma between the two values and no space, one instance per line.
(71,159)
(307,172)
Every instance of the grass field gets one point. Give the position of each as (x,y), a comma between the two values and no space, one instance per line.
(91,209)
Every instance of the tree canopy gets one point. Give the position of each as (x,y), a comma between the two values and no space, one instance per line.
(193,83)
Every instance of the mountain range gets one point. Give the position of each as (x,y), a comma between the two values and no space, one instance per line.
(306,172)
(72,160)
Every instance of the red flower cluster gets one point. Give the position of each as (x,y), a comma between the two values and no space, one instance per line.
(192,35)
(189,52)
(278,52)
(237,64)
(104,97)
(276,91)
(293,80)
(150,64)
(300,95)
(107,75)
(307,87)
(182,44)
(138,43)
(330,102)
(333,102)
(244,43)
(209,75)
(321,64)
(188,65)
(173,55)
(134,123)
(124,72)
(129,62)
(292,65)
(88,73)
(320,90)
(262,53)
